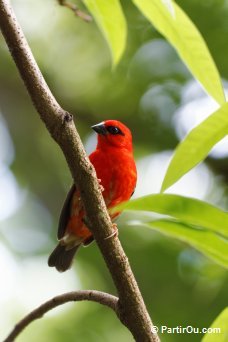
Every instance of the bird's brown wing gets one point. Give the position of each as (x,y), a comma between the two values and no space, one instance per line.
(65,213)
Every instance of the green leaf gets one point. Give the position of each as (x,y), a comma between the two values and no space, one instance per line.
(180,31)
(111,21)
(188,210)
(208,243)
(219,322)
(169,5)
(196,146)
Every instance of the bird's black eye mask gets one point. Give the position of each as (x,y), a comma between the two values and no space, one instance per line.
(103,130)
(114,130)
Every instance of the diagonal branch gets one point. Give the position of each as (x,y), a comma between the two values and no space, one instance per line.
(91,295)
(131,308)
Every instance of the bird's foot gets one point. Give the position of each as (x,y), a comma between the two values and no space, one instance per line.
(101,186)
(115,233)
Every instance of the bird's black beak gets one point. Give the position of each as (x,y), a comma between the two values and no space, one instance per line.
(100,128)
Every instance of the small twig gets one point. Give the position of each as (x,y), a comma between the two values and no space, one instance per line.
(91,295)
(84,16)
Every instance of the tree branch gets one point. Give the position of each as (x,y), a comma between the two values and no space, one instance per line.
(76,10)
(91,295)
(131,308)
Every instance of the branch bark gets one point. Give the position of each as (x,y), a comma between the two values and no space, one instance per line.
(131,308)
(76,10)
(90,295)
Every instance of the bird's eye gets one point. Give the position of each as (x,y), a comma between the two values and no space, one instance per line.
(114,130)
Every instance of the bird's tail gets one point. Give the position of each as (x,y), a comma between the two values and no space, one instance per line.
(61,258)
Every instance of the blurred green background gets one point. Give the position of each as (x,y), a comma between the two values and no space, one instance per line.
(154,94)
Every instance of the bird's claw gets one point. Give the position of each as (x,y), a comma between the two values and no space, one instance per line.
(115,233)
(101,186)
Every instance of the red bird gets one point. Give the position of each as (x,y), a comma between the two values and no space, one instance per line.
(115,168)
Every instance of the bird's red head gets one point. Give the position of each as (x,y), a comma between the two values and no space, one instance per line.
(113,133)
